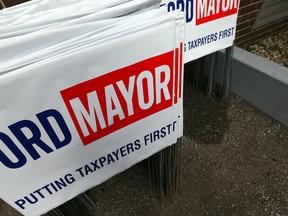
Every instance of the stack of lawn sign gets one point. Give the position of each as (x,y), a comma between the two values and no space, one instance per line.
(87,88)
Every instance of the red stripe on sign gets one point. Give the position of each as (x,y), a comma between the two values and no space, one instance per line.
(209,10)
(181,70)
(107,103)
(176,75)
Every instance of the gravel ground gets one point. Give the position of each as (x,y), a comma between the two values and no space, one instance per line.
(235,163)
(274,48)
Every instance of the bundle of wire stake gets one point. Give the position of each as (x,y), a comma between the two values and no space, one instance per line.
(165,170)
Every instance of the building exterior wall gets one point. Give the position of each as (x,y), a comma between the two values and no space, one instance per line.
(9,3)
(245,35)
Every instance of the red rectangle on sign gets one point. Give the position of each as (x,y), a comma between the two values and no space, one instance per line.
(119,98)
(209,10)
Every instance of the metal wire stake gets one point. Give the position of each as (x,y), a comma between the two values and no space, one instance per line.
(160,175)
(227,74)
(211,77)
(2,3)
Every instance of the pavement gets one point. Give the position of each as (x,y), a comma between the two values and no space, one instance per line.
(235,163)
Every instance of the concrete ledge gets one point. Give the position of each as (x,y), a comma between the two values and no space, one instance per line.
(262,83)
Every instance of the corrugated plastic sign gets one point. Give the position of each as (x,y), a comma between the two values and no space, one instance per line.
(210,25)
